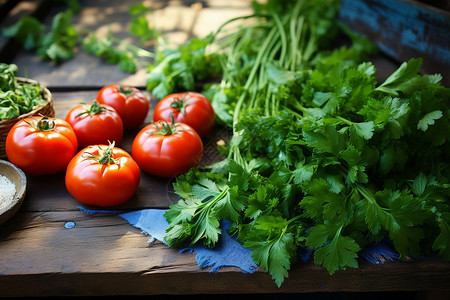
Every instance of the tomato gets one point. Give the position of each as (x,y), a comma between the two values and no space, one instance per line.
(131,104)
(95,124)
(41,145)
(190,108)
(102,175)
(167,149)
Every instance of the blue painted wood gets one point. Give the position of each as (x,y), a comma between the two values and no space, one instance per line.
(403,29)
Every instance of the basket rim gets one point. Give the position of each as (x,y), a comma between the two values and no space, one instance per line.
(46,94)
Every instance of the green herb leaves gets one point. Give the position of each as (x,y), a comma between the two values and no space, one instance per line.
(61,41)
(28,31)
(322,155)
(17,97)
(57,45)
(273,246)
(139,25)
(180,69)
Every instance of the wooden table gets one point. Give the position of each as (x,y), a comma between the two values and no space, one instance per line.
(104,254)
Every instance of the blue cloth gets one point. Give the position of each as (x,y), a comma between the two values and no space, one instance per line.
(379,253)
(228,252)
(150,221)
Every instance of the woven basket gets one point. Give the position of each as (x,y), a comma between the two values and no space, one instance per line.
(46,109)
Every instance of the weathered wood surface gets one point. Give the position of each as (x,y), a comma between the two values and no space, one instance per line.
(404,29)
(103,254)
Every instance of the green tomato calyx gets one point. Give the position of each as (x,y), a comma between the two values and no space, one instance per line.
(105,156)
(166,128)
(179,104)
(127,91)
(93,109)
(44,124)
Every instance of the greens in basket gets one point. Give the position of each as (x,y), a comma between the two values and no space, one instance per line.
(17,97)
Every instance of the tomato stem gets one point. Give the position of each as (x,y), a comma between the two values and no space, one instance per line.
(166,128)
(93,109)
(105,155)
(179,104)
(44,124)
(126,90)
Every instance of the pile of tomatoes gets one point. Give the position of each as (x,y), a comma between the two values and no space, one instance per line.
(85,143)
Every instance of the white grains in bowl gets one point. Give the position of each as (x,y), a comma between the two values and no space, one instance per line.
(7,191)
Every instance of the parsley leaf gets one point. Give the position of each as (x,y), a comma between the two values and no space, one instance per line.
(108,49)
(58,45)
(139,25)
(28,31)
(340,253)
(179,69)
(273,246)
(429,119)
(442,240)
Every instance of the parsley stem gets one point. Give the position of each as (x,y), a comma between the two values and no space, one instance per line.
(293,219)
(235,19)
(133,48)
(251,77)
(292,112)
(295,35)
(343,120)
(370,197)
(206,206)
(282,37)
(300,107)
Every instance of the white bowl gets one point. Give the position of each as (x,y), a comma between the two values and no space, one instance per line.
(18,177)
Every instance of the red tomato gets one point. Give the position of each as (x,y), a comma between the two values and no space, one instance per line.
(190,108)
(167,149)
(129,102)
(41,145)
(102,175)
(95,124)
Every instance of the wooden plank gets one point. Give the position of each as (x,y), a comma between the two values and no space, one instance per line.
(404,29)
(103,255)
(442,4)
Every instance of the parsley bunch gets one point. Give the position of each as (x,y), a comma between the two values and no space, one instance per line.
(322,155)
(62,40)
(139,24)
(56,45)
(180,68)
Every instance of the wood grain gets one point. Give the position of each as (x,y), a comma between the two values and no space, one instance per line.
(404,29)
(103,255)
